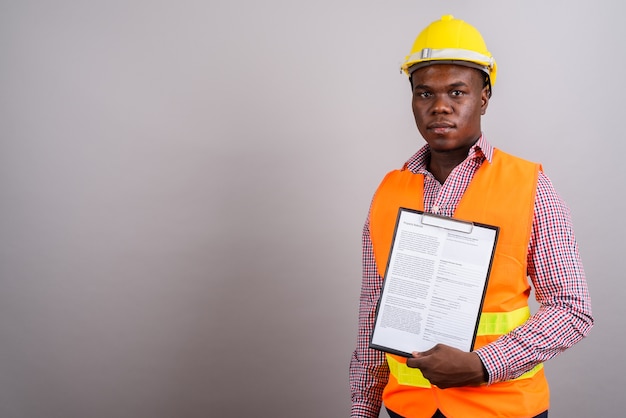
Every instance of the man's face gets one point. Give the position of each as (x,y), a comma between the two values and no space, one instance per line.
(448,101)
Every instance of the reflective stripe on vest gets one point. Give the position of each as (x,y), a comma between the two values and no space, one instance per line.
(498,323)
(491,323)
(413,377)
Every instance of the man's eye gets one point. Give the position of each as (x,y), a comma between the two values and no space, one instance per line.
(424,94)
(457,93)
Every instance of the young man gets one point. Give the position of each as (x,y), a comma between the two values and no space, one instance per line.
(459,174)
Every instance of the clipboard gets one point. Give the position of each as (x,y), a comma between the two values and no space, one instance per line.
(435,283)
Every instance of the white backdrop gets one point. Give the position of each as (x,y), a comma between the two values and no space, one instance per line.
(183,186)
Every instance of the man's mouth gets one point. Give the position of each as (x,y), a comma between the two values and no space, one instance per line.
(440,127)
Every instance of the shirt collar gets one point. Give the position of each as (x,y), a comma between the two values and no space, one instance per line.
(480,150)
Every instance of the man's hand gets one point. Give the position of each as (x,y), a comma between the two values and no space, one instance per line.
(448,367)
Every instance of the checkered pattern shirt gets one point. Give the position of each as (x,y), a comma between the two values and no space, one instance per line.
(554,267)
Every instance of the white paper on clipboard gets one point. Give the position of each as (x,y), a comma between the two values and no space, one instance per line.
(434,284)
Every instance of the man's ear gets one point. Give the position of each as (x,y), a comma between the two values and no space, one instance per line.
(484,97)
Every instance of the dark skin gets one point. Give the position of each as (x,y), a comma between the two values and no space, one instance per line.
(448,103)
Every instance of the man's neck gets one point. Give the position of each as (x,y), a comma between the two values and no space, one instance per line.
(441,164)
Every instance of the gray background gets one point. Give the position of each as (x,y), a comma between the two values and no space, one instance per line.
(183,186)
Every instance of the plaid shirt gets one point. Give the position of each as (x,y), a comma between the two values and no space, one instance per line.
(554,267)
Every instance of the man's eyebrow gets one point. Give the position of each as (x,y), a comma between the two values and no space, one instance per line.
(453,85)
(459,84)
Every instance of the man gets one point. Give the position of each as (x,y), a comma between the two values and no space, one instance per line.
(459,174)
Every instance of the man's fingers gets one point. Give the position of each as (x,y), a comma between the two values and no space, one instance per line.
(416,360)
(425,353)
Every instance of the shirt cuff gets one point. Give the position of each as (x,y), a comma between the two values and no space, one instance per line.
(492,357)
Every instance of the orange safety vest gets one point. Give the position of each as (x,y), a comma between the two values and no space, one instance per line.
(501,193)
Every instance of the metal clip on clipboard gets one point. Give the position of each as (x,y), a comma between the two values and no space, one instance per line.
(447,223)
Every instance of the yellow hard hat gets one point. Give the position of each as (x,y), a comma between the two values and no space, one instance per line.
(450,40)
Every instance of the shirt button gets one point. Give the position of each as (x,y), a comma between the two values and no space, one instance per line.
(435,209)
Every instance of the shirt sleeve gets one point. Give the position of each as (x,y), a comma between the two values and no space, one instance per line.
(368,368)
(564,316)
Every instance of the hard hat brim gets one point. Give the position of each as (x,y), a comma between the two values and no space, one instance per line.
(468,58)
(412,68)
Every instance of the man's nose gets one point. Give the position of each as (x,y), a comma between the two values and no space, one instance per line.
(441,104)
